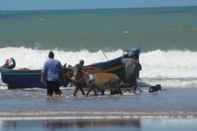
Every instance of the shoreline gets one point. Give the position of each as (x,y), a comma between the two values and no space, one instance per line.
(94,115)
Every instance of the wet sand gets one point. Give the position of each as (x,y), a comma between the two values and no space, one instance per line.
(33,104)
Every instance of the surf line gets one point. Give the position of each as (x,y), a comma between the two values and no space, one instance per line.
(70,115)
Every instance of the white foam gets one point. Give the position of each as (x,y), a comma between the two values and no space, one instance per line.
(170,83)
(34,58)
(169,64)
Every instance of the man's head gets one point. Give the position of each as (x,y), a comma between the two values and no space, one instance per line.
(51,55)
(81,62)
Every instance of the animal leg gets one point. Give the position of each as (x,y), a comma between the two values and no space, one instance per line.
(95,91)
(90,89)
(115,88)
(75,91)
(82,91)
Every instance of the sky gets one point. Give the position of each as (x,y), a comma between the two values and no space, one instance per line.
(88,4)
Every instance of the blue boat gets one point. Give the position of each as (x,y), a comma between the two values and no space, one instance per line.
(21,78)
(18,79)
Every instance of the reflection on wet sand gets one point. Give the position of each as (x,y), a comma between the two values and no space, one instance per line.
(97,125)
(91,123)
(51,125)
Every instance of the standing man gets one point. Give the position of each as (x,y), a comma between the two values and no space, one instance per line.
(52,75)
(132,68)
(135,55)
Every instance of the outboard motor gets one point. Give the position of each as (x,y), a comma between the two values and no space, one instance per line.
(10,63)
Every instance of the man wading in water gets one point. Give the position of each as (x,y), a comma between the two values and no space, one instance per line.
(52,75)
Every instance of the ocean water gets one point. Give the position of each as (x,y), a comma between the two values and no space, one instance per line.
(105,29)
(166,37)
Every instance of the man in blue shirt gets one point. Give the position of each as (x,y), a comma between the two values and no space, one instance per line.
(52,75)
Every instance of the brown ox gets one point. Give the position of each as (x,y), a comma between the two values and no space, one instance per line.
(93,80)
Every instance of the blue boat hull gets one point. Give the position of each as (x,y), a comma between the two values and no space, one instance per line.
(22,79)
(18,79)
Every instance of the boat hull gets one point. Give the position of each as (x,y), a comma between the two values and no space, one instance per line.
(22,79)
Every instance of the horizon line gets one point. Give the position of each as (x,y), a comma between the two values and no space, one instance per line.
(61,9)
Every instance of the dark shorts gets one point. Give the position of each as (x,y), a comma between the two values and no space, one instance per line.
(53,87)
(132,81)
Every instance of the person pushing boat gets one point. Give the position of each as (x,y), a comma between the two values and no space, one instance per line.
(10,63)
